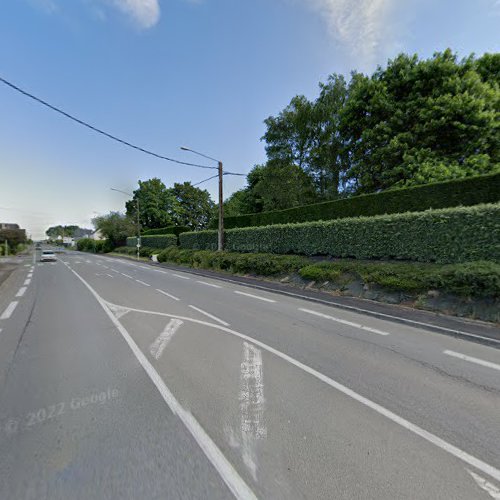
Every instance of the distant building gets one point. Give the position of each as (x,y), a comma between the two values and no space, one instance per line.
(6,225)
(97,235)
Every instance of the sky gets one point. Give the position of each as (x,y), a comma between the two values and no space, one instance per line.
(169,73)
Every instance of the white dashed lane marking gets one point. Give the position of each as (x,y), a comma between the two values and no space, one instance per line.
(344,322)
(182,277)
(21,291)
(142,283)
(470,359)
(253,296)
(208,284)
(9,310)
(168,294)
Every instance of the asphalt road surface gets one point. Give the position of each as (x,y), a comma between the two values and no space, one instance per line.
(123,380)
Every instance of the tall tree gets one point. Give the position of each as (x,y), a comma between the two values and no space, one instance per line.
(328,157)
(115,227)
(419,121)
(154,200)
(189,206)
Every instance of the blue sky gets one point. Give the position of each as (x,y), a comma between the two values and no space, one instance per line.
(166,73)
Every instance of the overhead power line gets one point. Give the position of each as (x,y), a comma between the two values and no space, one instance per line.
(99,131)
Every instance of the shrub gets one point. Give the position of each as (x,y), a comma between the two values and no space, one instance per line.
(466,192)
(261,264)
(155,241)
(445,236)
(470,279)
(167,230)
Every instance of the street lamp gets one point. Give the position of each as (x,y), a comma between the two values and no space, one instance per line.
(138,220)
(220,239)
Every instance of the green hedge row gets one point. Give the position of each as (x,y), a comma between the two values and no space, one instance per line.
(444,235)
(465,192)
(167,230)
(469,279)
(155,241)
(261,264)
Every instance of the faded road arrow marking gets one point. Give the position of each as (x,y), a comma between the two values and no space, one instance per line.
(157,347)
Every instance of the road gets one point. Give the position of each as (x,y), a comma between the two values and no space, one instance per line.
(119,379)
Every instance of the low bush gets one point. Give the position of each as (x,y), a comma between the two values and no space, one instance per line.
(470,279)
(445,236)
(154,241)
(260,264)
(459,192)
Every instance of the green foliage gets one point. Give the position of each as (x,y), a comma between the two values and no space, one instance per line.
(469,191)
(167,230)
(190,206)
(445,235)
(115,227)
(13,236)
(419,121)
(180,205)
(412,122)
(260,264)
(153,198)
(154,241)
(94,246)
(469,279)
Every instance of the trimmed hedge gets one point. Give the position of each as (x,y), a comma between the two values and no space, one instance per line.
(445,235)
(261,264)
(155,241)
(167,230)
(461,192)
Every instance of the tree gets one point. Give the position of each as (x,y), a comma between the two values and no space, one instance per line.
(328,157)
(189,206)
(288,135)
(154,200)
(55,231)
(418,121)
(115,227)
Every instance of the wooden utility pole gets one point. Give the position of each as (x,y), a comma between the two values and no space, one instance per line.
(220,246)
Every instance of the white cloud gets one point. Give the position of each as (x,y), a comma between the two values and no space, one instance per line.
(146,13)
(360,25)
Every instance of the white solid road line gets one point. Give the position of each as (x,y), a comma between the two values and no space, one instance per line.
(208,284)
(477,361)
(168,294)
(253,296)
(406,424)
(158,346)
(9,310)
(127,276)
(227,472)
(491,489)
(211,316)
(415,429)
(21,291)
(344,322)
(182,277)
(27,281)
(142,283)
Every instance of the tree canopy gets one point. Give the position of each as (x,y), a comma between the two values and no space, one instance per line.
(181,205)
(413,122)
(115,227)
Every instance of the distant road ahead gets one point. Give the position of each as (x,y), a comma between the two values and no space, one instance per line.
(124,380)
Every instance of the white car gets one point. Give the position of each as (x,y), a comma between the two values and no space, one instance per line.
(48,256)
